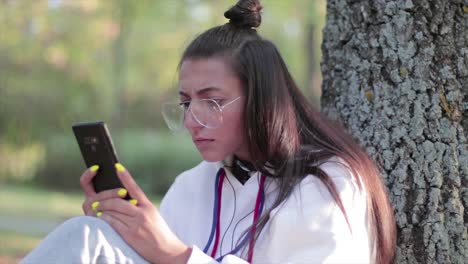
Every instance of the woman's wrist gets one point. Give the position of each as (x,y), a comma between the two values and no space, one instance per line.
(184,256)
(176,255)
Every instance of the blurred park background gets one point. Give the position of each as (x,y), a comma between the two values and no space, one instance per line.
(68,61)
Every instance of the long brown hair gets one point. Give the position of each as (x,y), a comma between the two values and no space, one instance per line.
(284,132)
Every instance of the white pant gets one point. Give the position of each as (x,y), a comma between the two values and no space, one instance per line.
(83,239)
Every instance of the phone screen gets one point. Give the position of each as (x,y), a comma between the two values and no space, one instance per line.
(97,148)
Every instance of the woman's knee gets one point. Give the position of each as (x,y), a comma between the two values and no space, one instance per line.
(84,225)
(83,221)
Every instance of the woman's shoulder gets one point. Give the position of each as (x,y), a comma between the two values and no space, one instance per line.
(337,172)
(203,173)
(328,233)
(312,197)
(336,167)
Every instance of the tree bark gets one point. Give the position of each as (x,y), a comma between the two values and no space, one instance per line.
(396,74)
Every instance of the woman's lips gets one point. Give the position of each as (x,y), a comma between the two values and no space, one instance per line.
(201,142)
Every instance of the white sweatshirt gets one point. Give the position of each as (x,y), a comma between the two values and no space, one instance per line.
(307,228)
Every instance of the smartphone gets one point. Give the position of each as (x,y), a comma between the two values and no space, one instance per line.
(97,148)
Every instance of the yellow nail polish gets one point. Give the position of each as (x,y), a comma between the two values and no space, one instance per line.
(119,167)
(99,214)
(94,168)
(122,192)
(95,205)
(133,201)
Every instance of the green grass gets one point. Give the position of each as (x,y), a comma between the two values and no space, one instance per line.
(15,245)
(32,203)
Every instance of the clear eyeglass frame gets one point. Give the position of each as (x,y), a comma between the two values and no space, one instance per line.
(206,112)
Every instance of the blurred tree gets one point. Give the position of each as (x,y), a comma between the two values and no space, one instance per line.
(46,73)
(124,17)
(314,22)
(111,60)
(67,61)
(396,73)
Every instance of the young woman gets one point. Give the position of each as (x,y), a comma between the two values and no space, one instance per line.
(279,182)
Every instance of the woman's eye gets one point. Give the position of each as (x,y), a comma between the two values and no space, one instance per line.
(185,105)
(218,101)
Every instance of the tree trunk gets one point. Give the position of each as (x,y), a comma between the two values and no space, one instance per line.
(396,74)
(313,79)
(124,14)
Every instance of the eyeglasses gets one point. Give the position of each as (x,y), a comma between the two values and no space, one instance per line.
(207,112)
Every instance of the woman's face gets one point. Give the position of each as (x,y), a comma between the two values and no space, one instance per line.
(213,78)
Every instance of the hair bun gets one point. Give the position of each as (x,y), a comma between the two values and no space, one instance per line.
(246,13)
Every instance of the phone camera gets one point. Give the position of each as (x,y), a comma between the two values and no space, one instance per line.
(91,140)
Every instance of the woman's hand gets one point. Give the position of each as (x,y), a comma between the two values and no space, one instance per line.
(93,198)
(138,221)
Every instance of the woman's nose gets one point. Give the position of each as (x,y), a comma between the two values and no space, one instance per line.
(190,122)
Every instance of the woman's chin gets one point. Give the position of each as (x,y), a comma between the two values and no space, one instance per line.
(213,157)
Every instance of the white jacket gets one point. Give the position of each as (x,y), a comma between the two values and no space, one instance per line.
(307,228)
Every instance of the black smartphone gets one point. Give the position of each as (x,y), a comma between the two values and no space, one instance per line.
(97,148)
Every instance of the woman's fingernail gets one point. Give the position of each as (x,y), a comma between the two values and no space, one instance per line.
(95,205)
(98,214)
(122,192)
(119,167)
(133,201)
(94,168)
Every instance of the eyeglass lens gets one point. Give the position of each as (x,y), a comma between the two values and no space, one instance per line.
(204,111)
